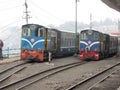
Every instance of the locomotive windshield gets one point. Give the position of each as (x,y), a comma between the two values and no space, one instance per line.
(26,32)
(85,35)
(39,32)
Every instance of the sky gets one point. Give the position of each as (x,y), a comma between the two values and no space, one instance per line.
(53,12)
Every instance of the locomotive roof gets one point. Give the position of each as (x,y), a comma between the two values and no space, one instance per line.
(99,32)
(64,31)
(32,24)
(91,30)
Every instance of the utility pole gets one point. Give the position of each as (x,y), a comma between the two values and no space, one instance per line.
(76,26)
(76,16)
(90,21)
(26,12)
(118,25)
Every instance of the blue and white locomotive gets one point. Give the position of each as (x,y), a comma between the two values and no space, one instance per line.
(37,41)
(96,45)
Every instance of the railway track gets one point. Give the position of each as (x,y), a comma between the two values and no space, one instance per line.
(20,84)
(113,77)
(3,77)
(12,67)
(90,82)
(10,71)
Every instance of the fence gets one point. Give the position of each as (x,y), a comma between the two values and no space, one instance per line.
(11,52)
(16,51)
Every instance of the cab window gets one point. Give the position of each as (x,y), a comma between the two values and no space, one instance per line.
(26,32)
(95,36)
(84,36)
(39,32)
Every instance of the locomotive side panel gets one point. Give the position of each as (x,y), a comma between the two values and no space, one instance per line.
(106,45)
(52,40)
(113,49)
(53,37)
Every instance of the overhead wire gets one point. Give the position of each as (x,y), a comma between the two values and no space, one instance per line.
(9,8)
(6,1)
(4,28)
(10,36)
(33,15)
(6,36)
(47,13)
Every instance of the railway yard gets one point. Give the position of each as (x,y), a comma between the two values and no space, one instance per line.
(68,73)
(41,55)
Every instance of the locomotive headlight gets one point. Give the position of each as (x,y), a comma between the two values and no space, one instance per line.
(32,40)
(89,42)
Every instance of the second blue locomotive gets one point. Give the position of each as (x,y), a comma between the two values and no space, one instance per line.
(96,45)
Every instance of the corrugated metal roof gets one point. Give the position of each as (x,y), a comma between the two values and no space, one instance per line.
(115,4)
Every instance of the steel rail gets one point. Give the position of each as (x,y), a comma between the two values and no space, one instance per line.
(89,78)
(18,70)
(103,79)
(9,68)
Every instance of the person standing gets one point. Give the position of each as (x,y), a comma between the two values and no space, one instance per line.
(1,46)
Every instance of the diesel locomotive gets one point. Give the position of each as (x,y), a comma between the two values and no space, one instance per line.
(38,41)
(96,45)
